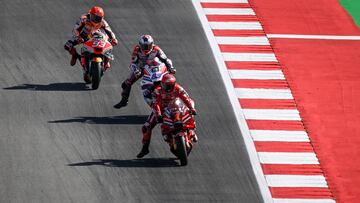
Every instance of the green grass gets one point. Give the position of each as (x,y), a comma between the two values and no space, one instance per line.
(353,7)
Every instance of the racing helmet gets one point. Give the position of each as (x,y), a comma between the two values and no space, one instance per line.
(96,14)
(168,82)
(146,43)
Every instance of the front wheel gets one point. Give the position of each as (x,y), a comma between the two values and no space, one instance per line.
(95,74)
(181,150)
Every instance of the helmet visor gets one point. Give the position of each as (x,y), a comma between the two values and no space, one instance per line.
(146,47)
(95,18)
(167,88)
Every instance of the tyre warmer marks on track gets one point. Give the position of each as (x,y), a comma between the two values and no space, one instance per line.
(289,164)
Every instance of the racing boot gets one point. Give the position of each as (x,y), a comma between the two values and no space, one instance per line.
(107,64)
(144,151)
(124,101)
(193,136)
(125,96)
(74,56)
(87,79)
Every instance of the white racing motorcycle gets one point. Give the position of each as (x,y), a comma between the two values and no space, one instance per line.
(152,76)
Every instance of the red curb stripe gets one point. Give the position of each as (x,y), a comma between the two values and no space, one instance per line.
(225,5)
(246,48)
(238,33)
(245,65)
(248,83)
(292,169)
(264,146)
(267,103)
(231,18)
(274,125)
(301,192)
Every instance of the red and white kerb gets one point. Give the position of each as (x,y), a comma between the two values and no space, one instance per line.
(252,74)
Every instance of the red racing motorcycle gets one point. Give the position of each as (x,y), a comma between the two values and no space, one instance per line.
(95,53)
(178,129)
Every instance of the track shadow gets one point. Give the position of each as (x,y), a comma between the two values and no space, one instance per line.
(131,163)
(128,119)
(65,86)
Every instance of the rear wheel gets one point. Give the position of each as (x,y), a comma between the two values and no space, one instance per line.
(95,74)
(181,150)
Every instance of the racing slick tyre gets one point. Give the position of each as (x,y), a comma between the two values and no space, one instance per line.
(95,74)
(181,150)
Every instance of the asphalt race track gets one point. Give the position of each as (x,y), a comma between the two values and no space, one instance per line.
(61,142)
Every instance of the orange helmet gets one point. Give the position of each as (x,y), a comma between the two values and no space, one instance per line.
(168,82)
(96,14)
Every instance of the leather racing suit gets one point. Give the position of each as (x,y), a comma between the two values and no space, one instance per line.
(81,31)
(138,61)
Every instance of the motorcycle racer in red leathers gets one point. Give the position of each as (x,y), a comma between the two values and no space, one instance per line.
(164,95)
(144,53)
(85,26)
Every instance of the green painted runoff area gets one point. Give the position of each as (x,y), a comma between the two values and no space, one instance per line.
(353,7)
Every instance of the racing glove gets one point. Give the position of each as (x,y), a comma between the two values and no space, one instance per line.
(113,42)
(193,112)
(160,119)
(80,40)
(172,70)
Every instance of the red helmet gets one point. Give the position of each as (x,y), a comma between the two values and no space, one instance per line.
(146,43)
(168,82)
(96,14)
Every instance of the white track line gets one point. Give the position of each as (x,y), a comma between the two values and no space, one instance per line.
(239,115)
(328,37)
(257,74)
(288,158)
(296,181)
(225,1)
(236,25)
(249,57)
(278,200)
(253,93)
(229,11)
(272,114)
(242,40)
(279,136)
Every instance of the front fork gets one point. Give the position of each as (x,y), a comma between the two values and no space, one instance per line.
(86,65)
(186,135)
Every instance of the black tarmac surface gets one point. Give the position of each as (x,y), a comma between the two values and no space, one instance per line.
(61,142)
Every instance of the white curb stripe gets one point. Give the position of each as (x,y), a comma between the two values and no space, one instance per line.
(249,57)
(328,37)
(296,181)
(236,25)
(278,200)
(272,114)
(253,93)
(257,74)
(279,136)
(257,93)
(288,158)
(242,41)
(249,144)
(226,1)
(229,11)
